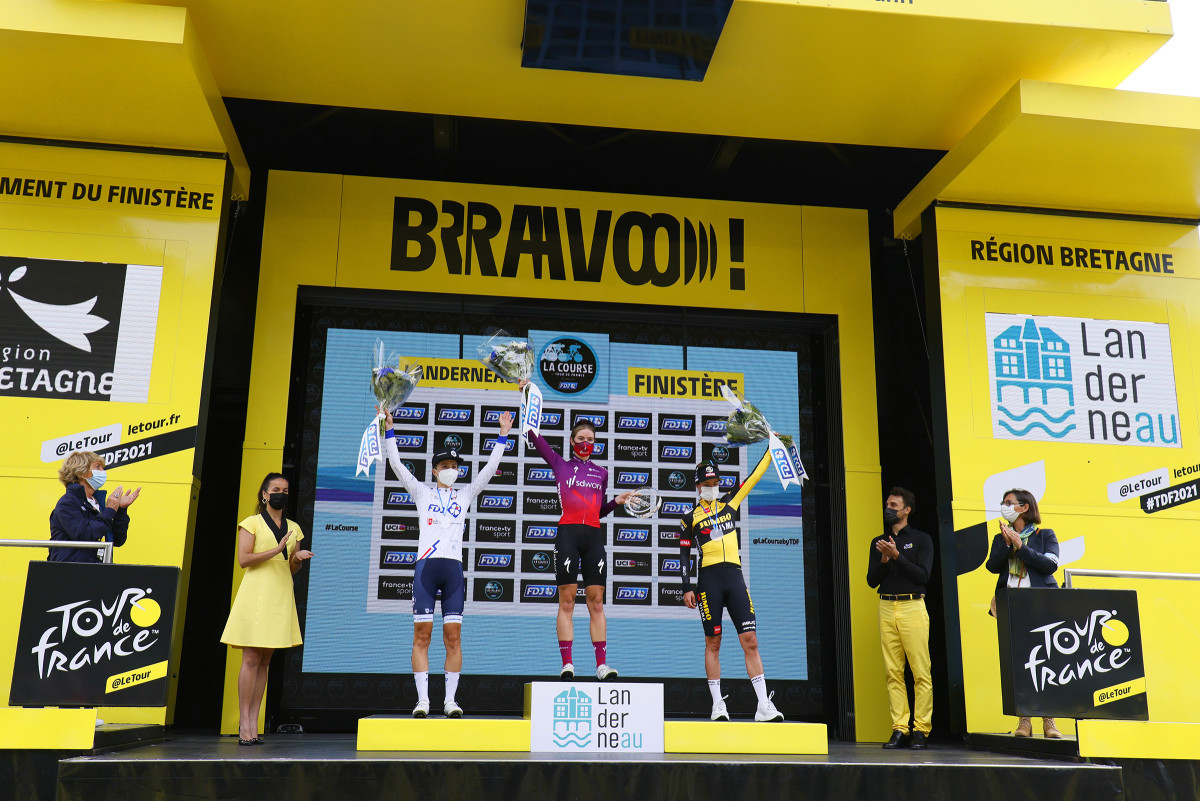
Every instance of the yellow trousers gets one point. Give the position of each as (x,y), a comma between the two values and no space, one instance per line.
(904,632)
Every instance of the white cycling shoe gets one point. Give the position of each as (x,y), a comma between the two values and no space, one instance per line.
(567,672)
(719,712)
(421,710)
(604,673)
(767,712)
(452,710)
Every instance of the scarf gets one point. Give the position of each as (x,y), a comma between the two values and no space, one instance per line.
(1015,566)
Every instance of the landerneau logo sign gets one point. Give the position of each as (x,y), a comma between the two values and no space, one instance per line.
(1071,379)
(470,232)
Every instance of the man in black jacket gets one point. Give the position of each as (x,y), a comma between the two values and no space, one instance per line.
(899,565)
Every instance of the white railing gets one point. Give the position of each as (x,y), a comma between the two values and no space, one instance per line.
(1069,572)
(106,547)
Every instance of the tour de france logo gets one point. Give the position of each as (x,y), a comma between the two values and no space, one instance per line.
(572,719)
(1067,379)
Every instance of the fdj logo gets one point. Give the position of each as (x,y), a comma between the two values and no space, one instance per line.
(409,413)
(633,593)
(675,508)
(495,502)
(453,442)
(727,482)
(599,448)
(399,499)
(491,442)
(539,590)
(595,419)
(540,561)
(677,480)
(550,419)
(670,565)
(540,474)
(633,535)
(675,424)
(471,230)
(492,416)
(715,427)
(782,463)
(1069,379)
(495,559)
(399,557)
(462,471)
(568,365)
(632,477)
(454,415)
(627,422)
(541,532)
(677,452)
(411,441)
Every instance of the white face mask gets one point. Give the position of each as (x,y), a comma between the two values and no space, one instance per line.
(448,476)
(710,493)
(1009,513)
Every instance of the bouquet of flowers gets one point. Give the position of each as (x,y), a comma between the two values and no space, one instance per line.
(644,502)
(508,357)
(747,425)
(392,385)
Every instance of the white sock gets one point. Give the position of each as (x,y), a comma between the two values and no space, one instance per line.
(714,687)
(451,685)
(759,683)
(422,680)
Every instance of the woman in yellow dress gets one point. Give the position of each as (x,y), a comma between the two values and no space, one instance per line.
(263,616)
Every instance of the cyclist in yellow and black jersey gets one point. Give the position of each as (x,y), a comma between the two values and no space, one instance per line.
(712,526)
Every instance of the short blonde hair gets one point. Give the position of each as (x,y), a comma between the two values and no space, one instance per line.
(76,465)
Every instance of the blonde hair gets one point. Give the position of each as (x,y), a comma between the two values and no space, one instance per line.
(76,465)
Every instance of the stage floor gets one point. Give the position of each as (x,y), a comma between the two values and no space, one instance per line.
(327,766)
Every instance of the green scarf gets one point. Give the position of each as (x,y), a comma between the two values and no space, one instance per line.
(1015,566)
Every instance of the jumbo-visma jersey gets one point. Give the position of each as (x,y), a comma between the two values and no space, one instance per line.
(713,527)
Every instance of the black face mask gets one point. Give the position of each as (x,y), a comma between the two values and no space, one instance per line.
(278,500)
(890,515)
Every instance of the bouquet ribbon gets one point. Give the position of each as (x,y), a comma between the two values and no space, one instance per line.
(787,462)
(531,409)
(369,450)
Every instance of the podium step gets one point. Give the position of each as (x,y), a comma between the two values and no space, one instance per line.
(744,737)
(406,733)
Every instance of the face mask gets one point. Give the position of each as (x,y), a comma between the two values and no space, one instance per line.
(1009,513)
(97,479)
(710,493)
(890,515)
(277,500)
(448,476)
(582,449)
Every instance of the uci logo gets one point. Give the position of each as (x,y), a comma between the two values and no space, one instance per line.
(632,593)
(539,590)
(494,560)
(629,423)
(677,480)
(676,452)
(495,502)
(633,535)
(541,532)
(454,415)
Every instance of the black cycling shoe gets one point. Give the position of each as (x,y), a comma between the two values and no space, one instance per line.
(899,740)
(918,741)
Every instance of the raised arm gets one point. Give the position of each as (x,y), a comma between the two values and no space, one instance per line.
(546,452)
(467,496)
(735,497)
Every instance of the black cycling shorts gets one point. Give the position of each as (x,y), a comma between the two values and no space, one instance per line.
(579,547)
(721,588)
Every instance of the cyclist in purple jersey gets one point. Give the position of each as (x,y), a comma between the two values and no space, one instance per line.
(580,542)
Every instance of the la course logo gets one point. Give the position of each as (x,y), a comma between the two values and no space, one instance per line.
(568,365)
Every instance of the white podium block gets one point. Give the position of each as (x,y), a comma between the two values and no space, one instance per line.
(591,717)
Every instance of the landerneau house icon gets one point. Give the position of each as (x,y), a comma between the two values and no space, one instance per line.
(572,719)
(1036,361)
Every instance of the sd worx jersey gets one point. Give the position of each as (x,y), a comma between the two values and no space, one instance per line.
(713,527)
(442,512)
(582,485)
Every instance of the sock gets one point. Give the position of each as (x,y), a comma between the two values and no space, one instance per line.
(601,647)
(714,687)
(451,685)
(564,648)
(422,680)
(759,683)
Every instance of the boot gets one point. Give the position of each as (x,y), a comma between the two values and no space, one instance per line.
(1024,728)
(1050,730)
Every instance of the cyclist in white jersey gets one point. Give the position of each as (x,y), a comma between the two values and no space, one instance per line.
(441,511)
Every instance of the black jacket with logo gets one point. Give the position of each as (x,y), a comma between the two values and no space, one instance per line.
(909,572)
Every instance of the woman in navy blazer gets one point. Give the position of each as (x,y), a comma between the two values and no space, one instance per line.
(86,513)
(1024,555)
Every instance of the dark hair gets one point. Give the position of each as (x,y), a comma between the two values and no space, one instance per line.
(581,425)
(1025,497)
(259,506)
(909,499)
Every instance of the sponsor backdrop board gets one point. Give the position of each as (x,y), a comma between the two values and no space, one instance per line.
(1069,347)
(568,718)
